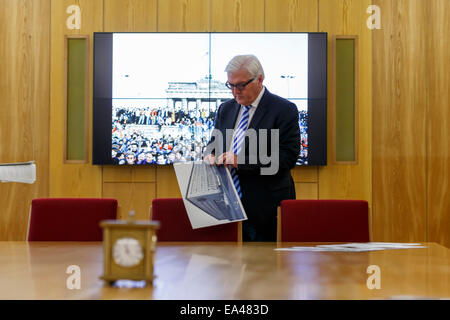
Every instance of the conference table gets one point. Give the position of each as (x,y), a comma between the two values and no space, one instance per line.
(226,271)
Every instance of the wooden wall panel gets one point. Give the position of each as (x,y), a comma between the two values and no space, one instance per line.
(184,15)
(237,16)
(129,174)
(117,174)
(131,196)
(24,106)
(130,15)
(305,190)
(71,180)
(167,185)
(399,137)
(305,174)
(438,143)
(349,181)
(291,16)
(306,182)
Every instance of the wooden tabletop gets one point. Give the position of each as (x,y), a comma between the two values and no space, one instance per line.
(37,270)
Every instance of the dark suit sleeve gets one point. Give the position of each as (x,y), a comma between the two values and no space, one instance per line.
(289,141)
(289,138)
(211,147)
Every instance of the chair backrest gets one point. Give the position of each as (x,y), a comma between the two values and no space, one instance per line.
(323,221)
(69,219)
(175,224)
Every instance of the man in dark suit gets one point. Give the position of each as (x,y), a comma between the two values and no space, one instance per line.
(252,109)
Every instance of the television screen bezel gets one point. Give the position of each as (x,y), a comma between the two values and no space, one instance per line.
(102,95)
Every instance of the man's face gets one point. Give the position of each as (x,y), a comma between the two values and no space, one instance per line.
(130,159)
(247,95)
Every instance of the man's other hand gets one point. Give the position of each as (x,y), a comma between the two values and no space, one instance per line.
(210,159)
(227,159)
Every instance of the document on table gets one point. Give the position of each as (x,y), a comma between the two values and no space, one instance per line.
(24,172)
(356,247)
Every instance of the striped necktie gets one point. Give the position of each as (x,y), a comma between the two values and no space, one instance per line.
(237,144)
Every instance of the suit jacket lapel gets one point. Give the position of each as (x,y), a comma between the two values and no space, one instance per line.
(231,119)
(260,111)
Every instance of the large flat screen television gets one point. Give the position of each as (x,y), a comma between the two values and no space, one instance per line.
(156,94)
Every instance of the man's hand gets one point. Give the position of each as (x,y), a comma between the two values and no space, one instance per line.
(227,159)
(210,159)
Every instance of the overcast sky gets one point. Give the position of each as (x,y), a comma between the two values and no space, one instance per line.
(143,63)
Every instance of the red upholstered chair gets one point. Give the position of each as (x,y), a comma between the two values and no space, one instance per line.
(323,221)
(69,219)
(175,224)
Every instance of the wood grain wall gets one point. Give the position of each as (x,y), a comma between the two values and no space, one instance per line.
(403,108)
(349,181)
(400,123)
(438,128)
(70,179)
(24,112)
(411,148)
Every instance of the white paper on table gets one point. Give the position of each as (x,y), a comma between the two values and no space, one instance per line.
(356,247)
(331,249)
(374,245)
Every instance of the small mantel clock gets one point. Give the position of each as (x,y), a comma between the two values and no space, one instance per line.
(129,248)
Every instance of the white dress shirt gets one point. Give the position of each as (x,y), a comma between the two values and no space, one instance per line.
(251,112)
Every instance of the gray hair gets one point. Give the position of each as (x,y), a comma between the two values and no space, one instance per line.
(248,62)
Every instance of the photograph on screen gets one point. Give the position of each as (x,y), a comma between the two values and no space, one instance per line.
(166,89)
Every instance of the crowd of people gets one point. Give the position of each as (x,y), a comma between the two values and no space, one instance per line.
(303,123)
(164,116)
(162,135)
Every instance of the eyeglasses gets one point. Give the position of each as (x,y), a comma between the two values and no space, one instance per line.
(239,86)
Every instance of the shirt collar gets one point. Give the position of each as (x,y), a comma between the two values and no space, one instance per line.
(255,103)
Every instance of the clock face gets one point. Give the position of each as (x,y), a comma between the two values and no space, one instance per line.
(127,252)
